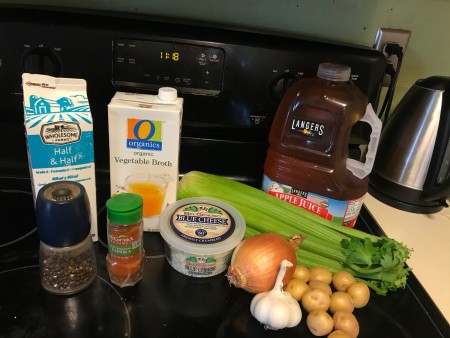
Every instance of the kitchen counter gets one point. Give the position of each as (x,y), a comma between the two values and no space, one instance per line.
(429,237)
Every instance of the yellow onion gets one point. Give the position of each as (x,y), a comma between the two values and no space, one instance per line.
(256,261)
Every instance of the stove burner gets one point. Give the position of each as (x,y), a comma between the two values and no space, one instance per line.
(33,312)
(18,220)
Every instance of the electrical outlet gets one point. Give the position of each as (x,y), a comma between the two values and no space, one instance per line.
(385,35)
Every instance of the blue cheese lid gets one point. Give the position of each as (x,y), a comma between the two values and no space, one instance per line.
(202,225)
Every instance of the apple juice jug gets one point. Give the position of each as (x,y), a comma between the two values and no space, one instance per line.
(307,163)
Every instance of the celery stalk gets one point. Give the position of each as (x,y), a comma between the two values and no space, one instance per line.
(379,261)
(246,200)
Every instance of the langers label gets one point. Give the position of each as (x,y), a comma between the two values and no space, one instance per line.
(144,134)
(340,212)
(307,128)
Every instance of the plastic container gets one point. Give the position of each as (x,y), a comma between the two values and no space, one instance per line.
(126,255)
(66,254)
(307,163)
(200,235)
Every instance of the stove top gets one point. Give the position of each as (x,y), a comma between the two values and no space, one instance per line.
(165,303)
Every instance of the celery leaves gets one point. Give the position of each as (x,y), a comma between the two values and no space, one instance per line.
(382,263)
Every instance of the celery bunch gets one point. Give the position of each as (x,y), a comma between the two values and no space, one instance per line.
(378,261)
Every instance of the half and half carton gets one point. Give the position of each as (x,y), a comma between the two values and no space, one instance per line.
(60,137)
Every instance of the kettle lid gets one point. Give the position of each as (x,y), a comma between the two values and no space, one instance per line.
(435,82)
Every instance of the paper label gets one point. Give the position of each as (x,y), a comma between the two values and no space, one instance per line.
(202,223)
(344,212)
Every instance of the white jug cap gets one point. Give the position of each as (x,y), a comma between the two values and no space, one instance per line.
(334,72)
(167,94)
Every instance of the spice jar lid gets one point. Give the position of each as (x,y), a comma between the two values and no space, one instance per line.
(124,209)
(63,215)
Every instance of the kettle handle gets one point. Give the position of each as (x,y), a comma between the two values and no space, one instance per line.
(362,169)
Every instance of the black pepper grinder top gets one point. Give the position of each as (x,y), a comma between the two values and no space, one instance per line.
(63,215)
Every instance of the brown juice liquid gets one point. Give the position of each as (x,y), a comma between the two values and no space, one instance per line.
(309,141)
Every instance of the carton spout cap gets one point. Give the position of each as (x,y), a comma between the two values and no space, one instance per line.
(167,94)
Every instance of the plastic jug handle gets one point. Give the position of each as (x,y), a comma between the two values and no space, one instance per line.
(362,169)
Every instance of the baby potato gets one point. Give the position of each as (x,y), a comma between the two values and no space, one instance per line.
(319,322)
(301,272)
(338,334)
(347,322)
(342,279)
(315,299)
(296,287)
(317,284)
(341,301)
(360,294)
(321,274)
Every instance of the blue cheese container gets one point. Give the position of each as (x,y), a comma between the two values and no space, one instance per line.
(200,235)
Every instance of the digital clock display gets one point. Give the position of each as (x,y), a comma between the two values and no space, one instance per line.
(170,56)
(151,64)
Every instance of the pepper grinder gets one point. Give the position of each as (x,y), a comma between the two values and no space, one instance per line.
(66,253)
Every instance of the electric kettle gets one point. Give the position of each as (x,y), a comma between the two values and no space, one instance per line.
(411,169)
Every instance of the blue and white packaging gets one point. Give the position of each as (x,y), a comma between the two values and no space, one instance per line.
(60,136)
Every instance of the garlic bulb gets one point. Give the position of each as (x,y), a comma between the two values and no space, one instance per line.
(276,309)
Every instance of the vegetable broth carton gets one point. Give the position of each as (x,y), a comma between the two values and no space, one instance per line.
(60,137)
(144,144)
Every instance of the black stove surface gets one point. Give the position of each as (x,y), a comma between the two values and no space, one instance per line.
(165,303)
(99,311)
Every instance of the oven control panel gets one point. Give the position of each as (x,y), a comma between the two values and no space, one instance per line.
(148,64)
(231,80)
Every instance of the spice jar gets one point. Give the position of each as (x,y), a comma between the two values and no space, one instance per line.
(125,259)
(66,253)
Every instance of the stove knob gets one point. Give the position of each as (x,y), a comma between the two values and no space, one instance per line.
(279,85)
(42,61)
